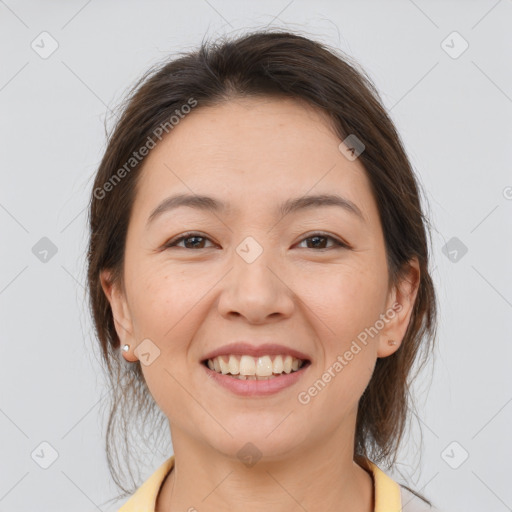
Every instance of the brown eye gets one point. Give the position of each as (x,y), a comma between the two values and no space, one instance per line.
(197,241)
(318,241)
(191,240)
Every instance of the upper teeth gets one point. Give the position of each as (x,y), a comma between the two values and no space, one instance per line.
(262,366)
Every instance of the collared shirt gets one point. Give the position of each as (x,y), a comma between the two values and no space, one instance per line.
(389,495)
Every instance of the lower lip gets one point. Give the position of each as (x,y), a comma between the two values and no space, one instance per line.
(257,387)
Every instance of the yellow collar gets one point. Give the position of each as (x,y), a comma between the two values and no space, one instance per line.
(387,491)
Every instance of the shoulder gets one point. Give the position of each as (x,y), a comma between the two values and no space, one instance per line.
(413,503)
(145,497)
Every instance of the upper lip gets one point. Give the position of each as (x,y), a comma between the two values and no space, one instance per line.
(241,348)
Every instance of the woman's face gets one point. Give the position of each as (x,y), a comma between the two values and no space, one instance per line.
(252,272)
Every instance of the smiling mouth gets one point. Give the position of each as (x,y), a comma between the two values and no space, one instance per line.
(255,368)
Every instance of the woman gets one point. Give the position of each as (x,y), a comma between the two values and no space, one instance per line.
(258,272)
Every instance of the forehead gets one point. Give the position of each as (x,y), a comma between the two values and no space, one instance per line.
(250,152)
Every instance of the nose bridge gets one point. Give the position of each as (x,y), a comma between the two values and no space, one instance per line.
(251,263)
(253,289)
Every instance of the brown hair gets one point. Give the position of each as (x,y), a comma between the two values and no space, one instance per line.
(270,62)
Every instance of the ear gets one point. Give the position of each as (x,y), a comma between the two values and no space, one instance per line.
(399,307)
(120,311)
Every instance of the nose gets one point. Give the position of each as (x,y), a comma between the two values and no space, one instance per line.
(256,291)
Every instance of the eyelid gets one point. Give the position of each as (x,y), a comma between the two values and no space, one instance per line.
(338,242)
(189,234)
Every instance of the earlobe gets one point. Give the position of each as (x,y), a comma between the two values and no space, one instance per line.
(399,310)
(120,313)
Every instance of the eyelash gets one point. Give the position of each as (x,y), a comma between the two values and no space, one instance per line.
(185,236)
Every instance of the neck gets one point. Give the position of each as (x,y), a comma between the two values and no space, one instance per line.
(324,477)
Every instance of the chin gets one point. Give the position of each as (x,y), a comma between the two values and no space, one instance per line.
(252,442)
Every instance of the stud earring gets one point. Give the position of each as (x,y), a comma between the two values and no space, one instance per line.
(126,348)
(392,342)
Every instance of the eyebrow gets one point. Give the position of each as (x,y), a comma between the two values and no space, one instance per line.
(207,203)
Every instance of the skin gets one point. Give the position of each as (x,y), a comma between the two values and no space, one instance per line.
(255,153)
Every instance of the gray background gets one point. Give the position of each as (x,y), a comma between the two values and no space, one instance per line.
(453,113)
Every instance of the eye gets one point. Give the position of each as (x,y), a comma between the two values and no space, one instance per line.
(317,241)
(197,241)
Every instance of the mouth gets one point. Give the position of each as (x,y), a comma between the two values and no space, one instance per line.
(262,368)
(255,369)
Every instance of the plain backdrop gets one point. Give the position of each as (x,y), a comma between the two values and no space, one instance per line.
(443,71)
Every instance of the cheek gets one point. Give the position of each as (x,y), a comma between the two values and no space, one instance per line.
(165,309)
(348,297)
(163,301)
(347,301)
